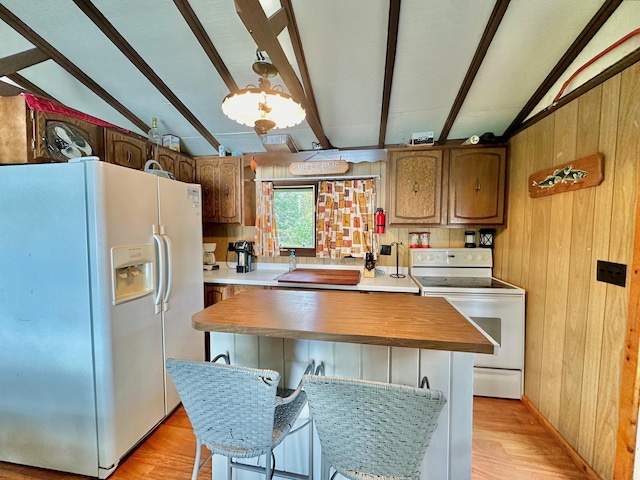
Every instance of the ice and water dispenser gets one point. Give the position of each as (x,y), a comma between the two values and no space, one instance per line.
(132,269)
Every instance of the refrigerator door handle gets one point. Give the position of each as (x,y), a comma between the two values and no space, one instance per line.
(169,270)
(161,271)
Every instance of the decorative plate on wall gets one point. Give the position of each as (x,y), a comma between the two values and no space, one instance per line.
(64,141)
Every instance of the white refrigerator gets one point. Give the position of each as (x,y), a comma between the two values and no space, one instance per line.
(100,273)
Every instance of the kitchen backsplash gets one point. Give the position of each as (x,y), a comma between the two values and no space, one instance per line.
(440,238)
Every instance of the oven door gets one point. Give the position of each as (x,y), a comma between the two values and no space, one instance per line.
(502,318)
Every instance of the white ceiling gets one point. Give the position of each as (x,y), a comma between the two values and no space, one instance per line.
(344,43)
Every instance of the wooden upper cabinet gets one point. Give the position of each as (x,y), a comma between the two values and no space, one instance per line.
(227,191)
(182,167)
(416,187)
(35,136)
(477,186)
(126,150)
(221,189)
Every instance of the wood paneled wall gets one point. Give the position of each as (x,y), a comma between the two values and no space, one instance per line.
(440,237)
(575,325)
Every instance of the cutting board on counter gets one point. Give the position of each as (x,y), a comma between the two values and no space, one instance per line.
(324,276)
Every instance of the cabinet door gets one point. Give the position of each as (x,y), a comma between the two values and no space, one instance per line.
(229,191)
(126,150)
(185,169)
(167,161)
(220,179)
(59,137)
(416,194)
(206,177)
(477,186)
(182,167)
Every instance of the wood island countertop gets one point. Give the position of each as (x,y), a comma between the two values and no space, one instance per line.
(375,319)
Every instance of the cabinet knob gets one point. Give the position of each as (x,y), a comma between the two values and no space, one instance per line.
(226,190)
(478,186)
(128,156)
(416,187)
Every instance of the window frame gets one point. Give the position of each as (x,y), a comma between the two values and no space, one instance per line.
(301,252)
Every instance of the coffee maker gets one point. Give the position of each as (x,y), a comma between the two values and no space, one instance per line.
(244,251)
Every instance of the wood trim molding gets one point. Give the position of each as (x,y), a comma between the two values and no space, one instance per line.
(392,43)
(18,61)
(599,19)
(630,378)
(589,472)
(92,12)
(24,30)
(487,37)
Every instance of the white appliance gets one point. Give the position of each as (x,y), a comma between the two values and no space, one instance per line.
(464,277)
(101,272)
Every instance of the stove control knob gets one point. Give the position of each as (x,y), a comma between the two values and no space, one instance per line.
(469,256)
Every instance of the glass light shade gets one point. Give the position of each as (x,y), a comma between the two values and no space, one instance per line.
(257,106)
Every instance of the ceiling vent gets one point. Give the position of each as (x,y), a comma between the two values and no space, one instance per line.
(279,143)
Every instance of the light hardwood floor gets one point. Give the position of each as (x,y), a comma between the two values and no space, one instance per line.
(508,443)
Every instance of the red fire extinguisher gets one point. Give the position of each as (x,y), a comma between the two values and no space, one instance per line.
(380,220)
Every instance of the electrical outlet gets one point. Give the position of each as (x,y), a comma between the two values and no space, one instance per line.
(609,272)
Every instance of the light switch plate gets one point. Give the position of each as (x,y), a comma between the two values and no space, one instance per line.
(609,272)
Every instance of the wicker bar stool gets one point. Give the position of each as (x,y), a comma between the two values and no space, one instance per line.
(236,412)
(371,430)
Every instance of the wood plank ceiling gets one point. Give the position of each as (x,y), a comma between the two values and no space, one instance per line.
(369,74)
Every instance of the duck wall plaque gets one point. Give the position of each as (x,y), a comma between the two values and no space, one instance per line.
(581,173)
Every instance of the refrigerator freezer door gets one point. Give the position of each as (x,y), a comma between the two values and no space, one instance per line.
(128,336)
(181,220)
(47,399)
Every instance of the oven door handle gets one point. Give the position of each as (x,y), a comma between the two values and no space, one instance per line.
(484,298)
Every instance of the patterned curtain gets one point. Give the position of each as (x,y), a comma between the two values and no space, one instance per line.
(266,239)
(345,218)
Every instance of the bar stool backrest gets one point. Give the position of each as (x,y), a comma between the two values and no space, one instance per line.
(371,429)
(231,408)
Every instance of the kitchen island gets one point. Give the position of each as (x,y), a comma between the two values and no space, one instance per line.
(375,337)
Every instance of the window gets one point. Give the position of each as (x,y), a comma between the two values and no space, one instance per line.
(295,211)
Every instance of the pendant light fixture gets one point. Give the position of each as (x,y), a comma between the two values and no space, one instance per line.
(263,107)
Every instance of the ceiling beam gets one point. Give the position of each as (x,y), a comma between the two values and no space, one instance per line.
(392,43)
(588,32)
(489,33)
(24,30)
(279,21)
(90,10)
(611,71)
(30,87)
(296,42)
(205,42)
(22,60)
(257,23)
(9,90)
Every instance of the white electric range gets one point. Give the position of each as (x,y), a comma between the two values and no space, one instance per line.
(464,276)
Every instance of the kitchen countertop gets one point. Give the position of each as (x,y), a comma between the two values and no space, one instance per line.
(417,322)
(266,276)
